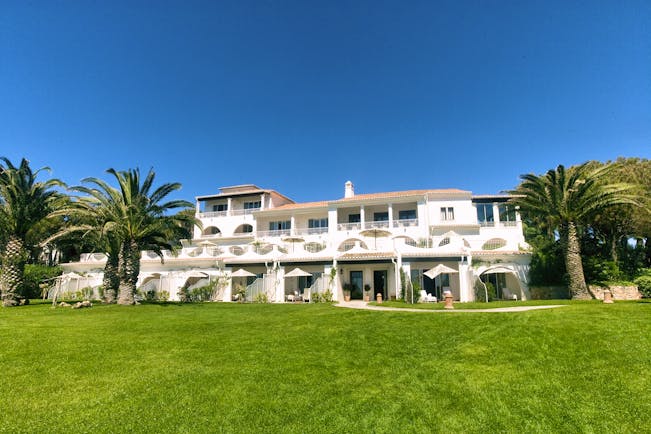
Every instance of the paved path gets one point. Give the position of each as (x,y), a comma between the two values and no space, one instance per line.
(358,304)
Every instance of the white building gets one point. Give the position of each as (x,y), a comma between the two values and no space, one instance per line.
(253,237)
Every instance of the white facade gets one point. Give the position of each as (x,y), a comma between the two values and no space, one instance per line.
(366,238)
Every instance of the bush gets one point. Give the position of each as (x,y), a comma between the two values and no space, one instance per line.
(600,270)
(35,275)
(644,285)
(261,297)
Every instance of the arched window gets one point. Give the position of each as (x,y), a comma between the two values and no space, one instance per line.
(494,243)
(243,229)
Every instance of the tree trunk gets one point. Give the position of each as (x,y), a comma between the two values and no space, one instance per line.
(573,264)
(111,280)
(129,269)
(13,271)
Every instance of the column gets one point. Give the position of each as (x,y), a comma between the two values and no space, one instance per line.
(292,225)
(362,217)
(229,206)
(390,215)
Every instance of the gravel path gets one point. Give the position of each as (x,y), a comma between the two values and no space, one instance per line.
(357,304)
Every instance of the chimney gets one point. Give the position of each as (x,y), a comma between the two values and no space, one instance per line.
(349,190)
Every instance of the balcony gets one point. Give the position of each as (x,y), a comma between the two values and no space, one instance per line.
(405,223)
(274,233)
(310,231)
(349,226)
(212,214)
(236,212)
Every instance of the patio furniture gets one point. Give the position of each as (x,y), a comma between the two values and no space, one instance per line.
(307,295)
(427,298)
(508,294)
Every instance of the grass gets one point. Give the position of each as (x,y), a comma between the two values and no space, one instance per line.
(318,368)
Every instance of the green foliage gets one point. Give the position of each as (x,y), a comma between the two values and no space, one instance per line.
(644,285)
(599,270)
(490,290)
(35,276)
(261,297)
(239,293)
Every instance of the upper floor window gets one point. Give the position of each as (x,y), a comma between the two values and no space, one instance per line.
(220,207)
(380,216)
(507,213)
(252,205)
(408,214)
(281,225)
(354,218)
(317,223)
(485,213)
(447,213)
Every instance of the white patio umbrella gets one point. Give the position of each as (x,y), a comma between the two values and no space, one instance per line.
(439,269)
(242,273)
(375,232)
(195,273)
(293,239)
(297,272)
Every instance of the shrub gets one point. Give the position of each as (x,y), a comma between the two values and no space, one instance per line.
(35,275)
(261,297)
(490,289)
(327,296)
(644,285)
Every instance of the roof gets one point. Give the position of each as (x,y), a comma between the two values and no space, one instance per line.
(404,193)
(321,204)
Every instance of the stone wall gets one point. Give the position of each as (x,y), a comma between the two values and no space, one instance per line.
(619,292)
(549,292)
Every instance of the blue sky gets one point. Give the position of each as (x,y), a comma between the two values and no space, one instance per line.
(301,96)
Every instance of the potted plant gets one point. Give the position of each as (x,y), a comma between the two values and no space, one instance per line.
(367,290)
(347,289)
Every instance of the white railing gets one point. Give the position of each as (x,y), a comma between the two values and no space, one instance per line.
(349,226)
(244,211)
(212,214)
(498,224)
(274,233)
(217,235)
(310,231)
(378,224)
(402,223)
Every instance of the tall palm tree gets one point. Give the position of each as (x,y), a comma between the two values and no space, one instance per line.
(563,201)
(24,202)
(136,218)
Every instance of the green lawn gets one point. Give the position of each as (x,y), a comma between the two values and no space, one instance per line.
(317,368)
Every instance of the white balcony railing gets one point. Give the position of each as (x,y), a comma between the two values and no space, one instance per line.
(403,223)
(349,226)
(310,231)
(498,224)
(274,233)
(212,214)
(244,211)
(376,225)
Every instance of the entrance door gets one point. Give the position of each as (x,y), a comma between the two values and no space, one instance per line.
(380,283)
(357,283)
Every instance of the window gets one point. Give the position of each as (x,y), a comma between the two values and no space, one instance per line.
(317,223)
(280,225)
(220,207)
(408,214)
(380,216)
(485,213)
(507,213)
(354,218)
(252,205)
(447,213)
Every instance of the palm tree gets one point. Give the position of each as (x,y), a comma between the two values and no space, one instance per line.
(24,203)
(133,218)
(563,201)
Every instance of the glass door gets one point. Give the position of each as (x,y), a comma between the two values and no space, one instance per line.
(357,283)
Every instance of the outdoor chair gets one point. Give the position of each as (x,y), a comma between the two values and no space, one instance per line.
(427,298)
(307,295)
(290,297)
(508,294)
